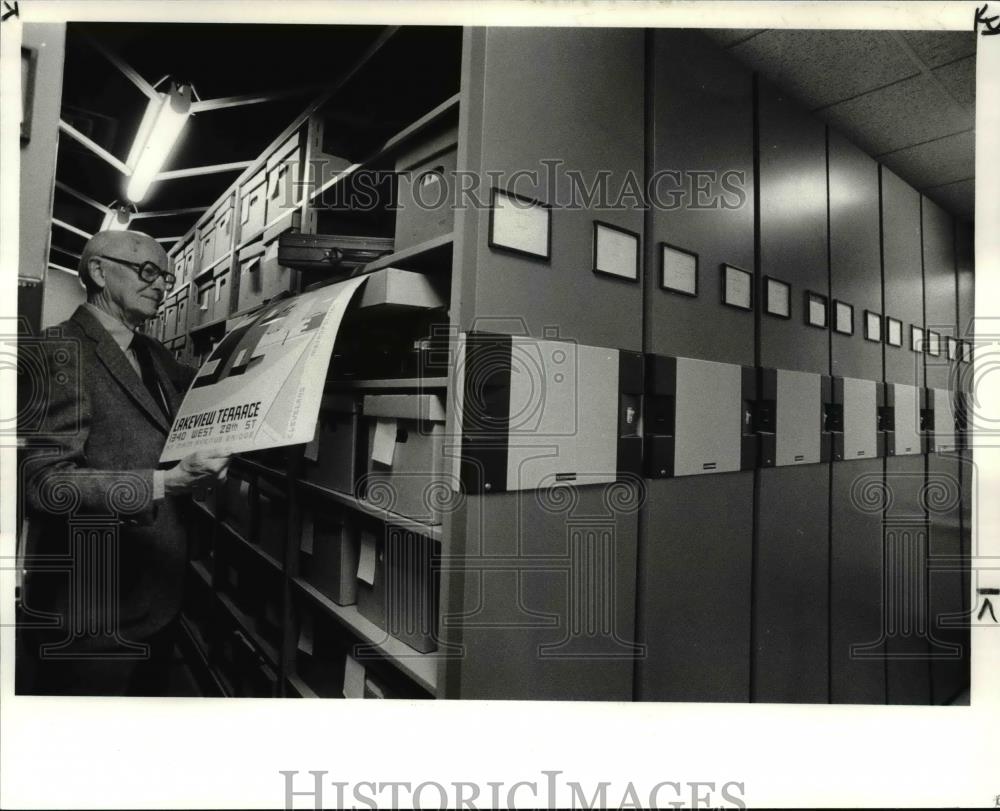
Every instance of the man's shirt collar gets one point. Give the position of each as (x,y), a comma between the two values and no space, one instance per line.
(121,333)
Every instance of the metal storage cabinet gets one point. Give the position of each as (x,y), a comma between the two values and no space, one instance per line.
(855,484)
(575,95)
(855,262)
(702,118)
(693,588)
(543,84)
(943,493)
(965,269)
(857,660)
(791,607)
(793,232)
(903,285)
(907,670)
(548,595)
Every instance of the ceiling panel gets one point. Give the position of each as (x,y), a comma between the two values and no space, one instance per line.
(956,197)
(935,48)
(959,79)
(937,162)
(732,36)
(824,67)
(907,113)
(906,96)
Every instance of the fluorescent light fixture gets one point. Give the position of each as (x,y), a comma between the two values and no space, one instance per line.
(159,130)
(117,218)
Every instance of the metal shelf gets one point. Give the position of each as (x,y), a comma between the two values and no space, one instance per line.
(199,645)
(202,571)
(275,564)
(300,687)
(427,256)
(257,467)
(420,667)
(210,325)
(245,622)
(448,106)
(247,626)
(391,383)
(207,270)
(432,531)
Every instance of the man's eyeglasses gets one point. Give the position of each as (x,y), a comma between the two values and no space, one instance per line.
(147,271)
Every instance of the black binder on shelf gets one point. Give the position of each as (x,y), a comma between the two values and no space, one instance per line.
(340,252)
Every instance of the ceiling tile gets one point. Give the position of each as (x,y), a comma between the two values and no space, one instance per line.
(937,48)
(959,79)
(824,67)
(958,198)
(732,36)
(904,114)
(936,162)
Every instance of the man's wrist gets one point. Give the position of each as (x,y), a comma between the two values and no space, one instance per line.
(159,485)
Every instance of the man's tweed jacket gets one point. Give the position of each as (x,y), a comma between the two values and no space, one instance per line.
(102,555)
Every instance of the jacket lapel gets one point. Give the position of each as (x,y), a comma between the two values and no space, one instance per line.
(163,375)
(121,370)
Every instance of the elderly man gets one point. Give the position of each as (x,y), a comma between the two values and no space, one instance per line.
(107,523)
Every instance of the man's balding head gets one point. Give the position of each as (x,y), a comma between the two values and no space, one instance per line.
(132,246)
(108,271)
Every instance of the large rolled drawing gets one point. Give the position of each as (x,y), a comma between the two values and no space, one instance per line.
(262,385)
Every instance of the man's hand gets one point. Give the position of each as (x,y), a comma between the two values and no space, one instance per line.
(194,470)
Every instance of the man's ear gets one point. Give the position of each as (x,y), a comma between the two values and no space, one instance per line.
(96,269)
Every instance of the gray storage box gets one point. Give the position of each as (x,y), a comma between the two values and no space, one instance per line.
(261,276)
(328,555)
(252,205)
(398,585)
(170,319)
(425,192)
(334,458)
(405,455)
(251,282)
(320,651)
(222,298)
(205,302)
(276,278)
(181,326)
(236,502)
(283,174)
(190,256)
(273,519)
(206,242)
(392,287)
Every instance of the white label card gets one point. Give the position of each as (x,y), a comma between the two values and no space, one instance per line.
(306,635)
(366,559)
(354,678)
(384,443)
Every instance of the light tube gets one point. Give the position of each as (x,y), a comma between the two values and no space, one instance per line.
(156,140)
